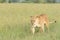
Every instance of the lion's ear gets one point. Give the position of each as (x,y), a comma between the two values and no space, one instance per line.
(30,16)
(37,16)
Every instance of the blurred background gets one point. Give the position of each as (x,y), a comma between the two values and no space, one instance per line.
(29,1)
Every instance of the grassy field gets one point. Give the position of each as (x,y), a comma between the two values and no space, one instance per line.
(15,21)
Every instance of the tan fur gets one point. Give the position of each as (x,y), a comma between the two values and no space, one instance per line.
(39,21)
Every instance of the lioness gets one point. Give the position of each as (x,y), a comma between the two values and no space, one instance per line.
(40,21)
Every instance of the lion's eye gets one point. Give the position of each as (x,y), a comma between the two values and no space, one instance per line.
(32,21)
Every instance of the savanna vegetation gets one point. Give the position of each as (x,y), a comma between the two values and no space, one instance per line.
(15,21)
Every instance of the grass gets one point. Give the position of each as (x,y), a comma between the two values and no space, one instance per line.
(15,21)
